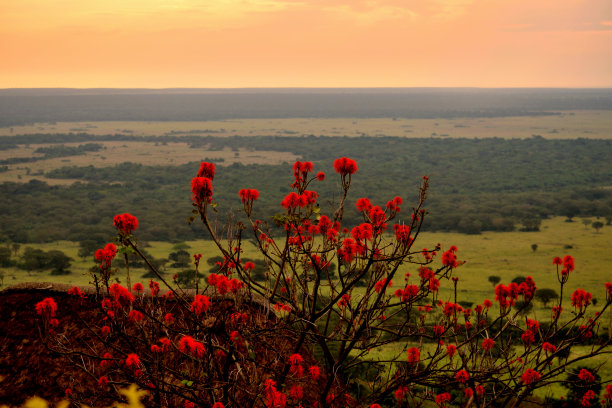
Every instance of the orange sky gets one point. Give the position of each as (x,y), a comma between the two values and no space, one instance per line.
(305,43)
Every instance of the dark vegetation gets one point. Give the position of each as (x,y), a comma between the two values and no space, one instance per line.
(18,107)
(477,184)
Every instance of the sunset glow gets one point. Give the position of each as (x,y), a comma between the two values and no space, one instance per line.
(305,43)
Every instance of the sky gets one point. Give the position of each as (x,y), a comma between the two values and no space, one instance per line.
(305,43)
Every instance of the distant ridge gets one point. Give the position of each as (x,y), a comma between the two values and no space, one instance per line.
(27,106)
(230,91)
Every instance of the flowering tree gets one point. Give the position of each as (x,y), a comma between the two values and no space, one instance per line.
(301,337)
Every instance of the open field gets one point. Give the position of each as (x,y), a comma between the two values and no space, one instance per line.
(117,152)
(506,254)
(565,125)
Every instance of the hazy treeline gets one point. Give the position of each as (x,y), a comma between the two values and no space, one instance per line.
(477,184)
(19,107)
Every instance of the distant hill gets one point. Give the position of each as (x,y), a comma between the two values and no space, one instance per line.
(26,106)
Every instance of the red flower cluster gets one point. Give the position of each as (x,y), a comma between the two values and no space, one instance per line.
(487,344)
(274,398)
(581,298)
(549,347)
(200,304)
(530,376)
(106,255)
(451,350)
(345,166)
(462,376)
(363,205)
(296,361)
(188,345)
(248,195)
(402,234)
(125,223)
(76,292)
(218,405)
(154,288)
(207,170)
(315,372)
(408,294)
(132,361)
(223,284)
(137,287)
(586,376)
(451,310)
(300,172)
(528,337)
(587,398)
(135,316)
(201,189)
(414,355)
(449,258)
(344,300)
(442,399)
(121,295)
(394,205)
(567,264)
(380,285)
(46,308)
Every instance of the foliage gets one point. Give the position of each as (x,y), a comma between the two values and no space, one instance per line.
(488,355)
(470,195)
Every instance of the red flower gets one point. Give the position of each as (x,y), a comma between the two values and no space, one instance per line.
(451,350)
(201,189)
(207,170)
(344,166)
(165,342)
(125,223)
(528,337)
(363,204)
(247,195)
(449,259)
(296,359)
(294,200)
(462,376)
(132,361)
(414,355)
(218,405)
(155,349)
(105,330)
(103,381)
(487,344)
(581,298)
(296,392)
(46,308)
(442,399)
(75,291)
(121,294)
(106,255)
(320,176)
(188,345)
(314,372)
(402,233)
(138,288)
(375,406)
(200,304)
(586,376)
(154,287)
(557,261)
(344,300)
(169,318)
(487,303)
(549,347)
(135,316)
(530,376)
(400,393)
(587,397)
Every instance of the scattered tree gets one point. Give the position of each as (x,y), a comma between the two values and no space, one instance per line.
(546,295)
(494,279)
(597,225)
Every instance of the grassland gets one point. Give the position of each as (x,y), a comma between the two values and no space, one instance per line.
(505,254)
(117,152)
(565,125)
